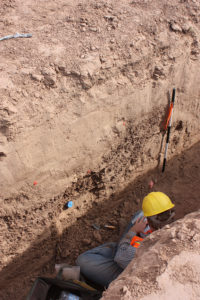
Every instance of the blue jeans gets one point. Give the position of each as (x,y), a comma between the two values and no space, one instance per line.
(98,264)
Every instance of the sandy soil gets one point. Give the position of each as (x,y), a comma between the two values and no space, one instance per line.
(81,113)
(90,71)
(180,182)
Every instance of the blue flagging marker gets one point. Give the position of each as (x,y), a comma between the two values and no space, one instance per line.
(69,204)
(168,129)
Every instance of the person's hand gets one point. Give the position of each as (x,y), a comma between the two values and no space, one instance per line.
(139,225)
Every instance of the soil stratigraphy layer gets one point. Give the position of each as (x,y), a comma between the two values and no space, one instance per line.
(82,107)
(72,231)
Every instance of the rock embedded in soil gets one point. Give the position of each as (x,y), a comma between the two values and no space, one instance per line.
(37,77)
(86,241)
(97,236)
(175,27)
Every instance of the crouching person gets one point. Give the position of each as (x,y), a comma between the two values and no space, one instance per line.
(103,264)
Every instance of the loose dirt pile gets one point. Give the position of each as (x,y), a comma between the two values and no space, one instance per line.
(81,116)
(167,265)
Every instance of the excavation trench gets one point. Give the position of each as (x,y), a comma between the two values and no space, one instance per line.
(69,235)
(82,109)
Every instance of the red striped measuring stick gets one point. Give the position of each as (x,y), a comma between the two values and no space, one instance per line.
(168,127)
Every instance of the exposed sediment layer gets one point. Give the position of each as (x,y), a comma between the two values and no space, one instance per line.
(81,115)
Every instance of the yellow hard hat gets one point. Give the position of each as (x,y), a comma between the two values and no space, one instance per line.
(155,203)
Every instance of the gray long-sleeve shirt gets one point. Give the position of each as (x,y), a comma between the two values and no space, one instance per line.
(125,251)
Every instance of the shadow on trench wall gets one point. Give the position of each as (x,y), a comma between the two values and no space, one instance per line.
(180,181)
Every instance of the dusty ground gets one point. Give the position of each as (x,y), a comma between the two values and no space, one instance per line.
(81,113)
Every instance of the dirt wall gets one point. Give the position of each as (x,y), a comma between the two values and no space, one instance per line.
(35,239)
(82,107)
(90,74)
